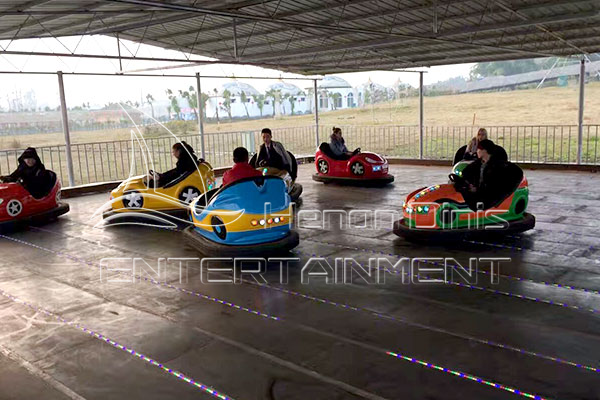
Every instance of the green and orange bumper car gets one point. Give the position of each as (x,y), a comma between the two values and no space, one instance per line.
(440,212)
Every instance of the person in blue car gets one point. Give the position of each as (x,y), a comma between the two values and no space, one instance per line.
(241,169)
(32,174)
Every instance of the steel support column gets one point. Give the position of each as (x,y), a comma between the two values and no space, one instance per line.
(200,114)
(119,52)
(316,113)
(421,115)
(580,116)
(65,123)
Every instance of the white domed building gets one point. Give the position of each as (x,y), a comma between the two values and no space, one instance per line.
(335,94)
(292,100)
(239,109)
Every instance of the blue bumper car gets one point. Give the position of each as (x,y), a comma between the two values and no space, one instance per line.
(250,216)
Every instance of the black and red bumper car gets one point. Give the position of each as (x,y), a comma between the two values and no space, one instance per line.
(18,208)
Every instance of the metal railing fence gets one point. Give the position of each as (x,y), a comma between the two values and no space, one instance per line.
(116,160)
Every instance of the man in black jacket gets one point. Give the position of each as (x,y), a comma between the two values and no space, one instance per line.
(273,154)
(36,179)
(484,178)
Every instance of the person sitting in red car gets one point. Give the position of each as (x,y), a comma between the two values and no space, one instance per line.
(241,169)
(338,146)
(32,174)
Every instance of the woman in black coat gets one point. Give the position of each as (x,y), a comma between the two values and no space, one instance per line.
(487,179)
(32,174)
(186,162)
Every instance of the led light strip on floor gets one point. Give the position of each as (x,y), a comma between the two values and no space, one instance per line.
(499,245)
(470,377)
(430,328)
(550,230)
(520,296)
(509,247)
(484,289)
(400,320)
(152,281)
(96,335)
(514,278)
(557,285)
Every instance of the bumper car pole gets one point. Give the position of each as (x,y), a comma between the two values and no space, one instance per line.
(65,124)
(200,116)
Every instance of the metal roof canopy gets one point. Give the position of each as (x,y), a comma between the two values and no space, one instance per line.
(322,37)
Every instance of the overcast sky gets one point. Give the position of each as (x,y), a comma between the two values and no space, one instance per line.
(100,90)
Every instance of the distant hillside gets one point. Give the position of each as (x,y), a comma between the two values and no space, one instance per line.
(449,86)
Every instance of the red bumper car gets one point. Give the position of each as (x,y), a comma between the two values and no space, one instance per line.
(19,208)
(362,169)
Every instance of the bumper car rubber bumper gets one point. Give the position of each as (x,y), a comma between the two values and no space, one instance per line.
(516,226)
(296,192)
(36,219)
(175,215)
(208,247)
(368,182)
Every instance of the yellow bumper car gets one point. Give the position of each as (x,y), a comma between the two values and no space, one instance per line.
(134,198)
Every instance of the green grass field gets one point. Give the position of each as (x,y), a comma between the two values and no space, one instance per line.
(546,106)
(521,121)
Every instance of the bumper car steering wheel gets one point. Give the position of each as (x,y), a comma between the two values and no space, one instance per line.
(459,182)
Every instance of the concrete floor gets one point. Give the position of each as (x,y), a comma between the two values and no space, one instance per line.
(529,332)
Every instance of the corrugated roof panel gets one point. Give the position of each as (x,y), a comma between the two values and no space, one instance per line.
(388,33)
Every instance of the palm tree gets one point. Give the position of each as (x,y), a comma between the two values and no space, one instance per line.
(275,95)
(216,103)
(311,96)
(150,100)
(293,98)
(227,103)
(259,99)
(193,100)
(203,99)
(190,96)
(244,100)
(288,97)
(335,96)
(174,103)
(367,96)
